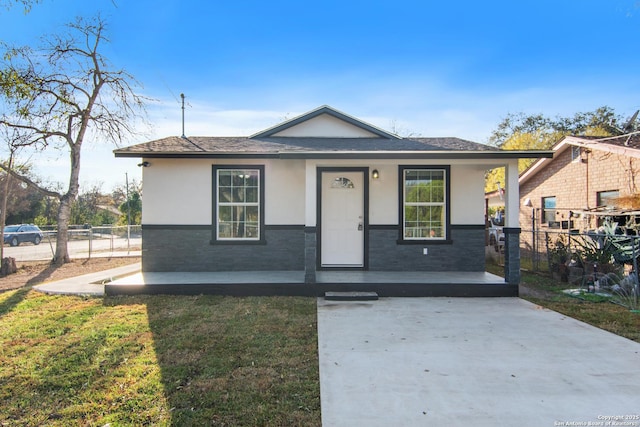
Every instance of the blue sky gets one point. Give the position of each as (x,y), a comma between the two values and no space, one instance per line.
(454,68)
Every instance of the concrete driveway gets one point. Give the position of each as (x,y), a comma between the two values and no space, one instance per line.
(471,362)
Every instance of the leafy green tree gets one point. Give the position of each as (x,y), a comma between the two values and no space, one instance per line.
(538,132)
(46,211)
(93,208)
(23,203)
(537,140)
(133,207)
(601,122)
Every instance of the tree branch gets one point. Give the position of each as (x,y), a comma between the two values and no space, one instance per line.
(30,183)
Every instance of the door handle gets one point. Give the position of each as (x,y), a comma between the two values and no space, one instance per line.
(360,227)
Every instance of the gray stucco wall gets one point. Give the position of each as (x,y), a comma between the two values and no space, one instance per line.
(171,248)
(189,248)
(464,253)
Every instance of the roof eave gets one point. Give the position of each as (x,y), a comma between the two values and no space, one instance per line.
(602,145)
(506,154)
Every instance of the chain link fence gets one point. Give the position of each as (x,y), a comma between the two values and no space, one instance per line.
(590,262)
(84,242)
(542,250)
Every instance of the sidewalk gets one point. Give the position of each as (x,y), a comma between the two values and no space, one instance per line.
(88,284)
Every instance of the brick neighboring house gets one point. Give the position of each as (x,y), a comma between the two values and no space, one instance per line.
(585,179)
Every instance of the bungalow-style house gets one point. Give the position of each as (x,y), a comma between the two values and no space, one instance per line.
(588,179)
(339,202)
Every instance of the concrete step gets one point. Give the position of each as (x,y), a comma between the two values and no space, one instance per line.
(351,296)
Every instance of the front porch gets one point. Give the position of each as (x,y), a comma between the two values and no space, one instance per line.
(385,284)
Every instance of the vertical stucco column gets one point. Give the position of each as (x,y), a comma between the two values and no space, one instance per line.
(512,224)
(310,229)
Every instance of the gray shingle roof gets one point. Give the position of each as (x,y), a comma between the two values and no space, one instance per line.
(381,144)
(243,145)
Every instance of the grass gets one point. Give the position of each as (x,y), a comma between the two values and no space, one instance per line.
(158,360)
(596,311)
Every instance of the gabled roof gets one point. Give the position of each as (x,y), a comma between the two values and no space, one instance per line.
(320,134)
(329,111)
(625,145)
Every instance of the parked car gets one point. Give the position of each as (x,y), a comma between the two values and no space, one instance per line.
(16,234)
(496,234)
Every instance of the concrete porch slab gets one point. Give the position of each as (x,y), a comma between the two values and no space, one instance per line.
(292,283)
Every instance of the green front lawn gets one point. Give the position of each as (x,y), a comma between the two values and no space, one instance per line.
(158,360)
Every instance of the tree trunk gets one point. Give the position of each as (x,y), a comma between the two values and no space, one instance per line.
(64,211)
(62,238)
(3,208)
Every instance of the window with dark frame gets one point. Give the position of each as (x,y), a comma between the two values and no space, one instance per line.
(607,198)
(424,203)
(549,211)
(238,203)
(576,153)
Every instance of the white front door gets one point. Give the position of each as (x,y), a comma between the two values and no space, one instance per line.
(343,221)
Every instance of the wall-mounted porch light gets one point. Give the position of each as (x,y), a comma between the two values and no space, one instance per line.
(375,174)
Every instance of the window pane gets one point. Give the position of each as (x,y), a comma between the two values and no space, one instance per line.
(224,178)
(238,179)
(424,204)
(238,203)
(252,230)
(251,195)
(549,210)
(238,195)
(224,213)
(252,214)
(224,194)
(342,182)
(224,230)
(575,153)
(424,186)
(252,179)
(549,202)
(607,198)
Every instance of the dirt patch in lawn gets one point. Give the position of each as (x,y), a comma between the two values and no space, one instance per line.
(36,272)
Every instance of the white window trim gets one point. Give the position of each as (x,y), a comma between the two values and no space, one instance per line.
(219,204)
(443,204)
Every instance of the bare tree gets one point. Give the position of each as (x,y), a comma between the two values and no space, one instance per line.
(64,93)
(27,4)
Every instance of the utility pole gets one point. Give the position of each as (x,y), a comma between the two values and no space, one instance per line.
(126,175)
(182,96)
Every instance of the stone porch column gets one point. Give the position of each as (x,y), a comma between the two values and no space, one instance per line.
(310,255)
(310,229)
(511,255)
(512,224)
